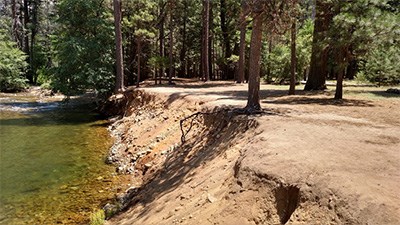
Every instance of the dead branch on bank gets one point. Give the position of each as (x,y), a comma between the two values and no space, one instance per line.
(229,112)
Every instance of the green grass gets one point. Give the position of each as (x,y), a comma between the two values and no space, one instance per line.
(97,218)
(354,91)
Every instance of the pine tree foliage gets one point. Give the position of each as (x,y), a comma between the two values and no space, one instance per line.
(12,61)
(84,47)
(69,44)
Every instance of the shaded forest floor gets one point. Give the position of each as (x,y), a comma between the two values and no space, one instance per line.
(308,159)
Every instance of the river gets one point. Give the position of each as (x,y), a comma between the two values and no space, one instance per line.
(52,166)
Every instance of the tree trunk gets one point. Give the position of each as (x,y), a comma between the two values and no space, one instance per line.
(34,28)
(182,55)
(269,61)
(341,64)
(339,85)
(25,25)
(210,41)
(293,60)
(242,48)
(226,72)
(319,56)
(27,48)
(139,56)
(351,70)
(205,44)
(14,23)
(119,81)
(162,53)
(171,47)
(253,100)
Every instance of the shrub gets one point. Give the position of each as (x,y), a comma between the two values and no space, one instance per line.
(12,65)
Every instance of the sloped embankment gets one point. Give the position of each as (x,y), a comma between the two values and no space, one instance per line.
(220,174)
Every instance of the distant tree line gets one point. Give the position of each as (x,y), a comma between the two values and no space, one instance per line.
(104,45)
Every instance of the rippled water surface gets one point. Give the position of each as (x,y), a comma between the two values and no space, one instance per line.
(51,162)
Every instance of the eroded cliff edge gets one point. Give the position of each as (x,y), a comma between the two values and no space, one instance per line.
(274,168)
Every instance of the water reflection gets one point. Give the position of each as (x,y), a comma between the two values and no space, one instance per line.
(51,156)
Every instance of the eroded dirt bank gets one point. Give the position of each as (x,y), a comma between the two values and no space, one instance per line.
(307,160)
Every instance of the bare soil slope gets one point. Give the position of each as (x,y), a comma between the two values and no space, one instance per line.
(307,160)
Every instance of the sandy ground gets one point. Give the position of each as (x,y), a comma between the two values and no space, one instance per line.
(308,159)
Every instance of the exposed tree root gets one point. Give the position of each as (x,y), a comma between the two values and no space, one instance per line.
(230,112)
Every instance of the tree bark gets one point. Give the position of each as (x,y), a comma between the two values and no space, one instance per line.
(26,46)
(15,23)
(119,81)
(242,48)
(139,56)
(182,55)
(34,29)
(171,46)
(351,70)
(205,44)
(293,60)
(319,56)
(253,100)
(269,61)
(226,72)
(210,41)
(162,53)
(242,54)
(25,25)
(341,64)
(339,85)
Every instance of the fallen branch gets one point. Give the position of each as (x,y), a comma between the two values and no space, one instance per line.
(194,116)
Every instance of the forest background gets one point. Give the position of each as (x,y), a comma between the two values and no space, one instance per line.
(102,45)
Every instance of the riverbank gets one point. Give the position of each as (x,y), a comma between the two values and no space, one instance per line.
(308,159)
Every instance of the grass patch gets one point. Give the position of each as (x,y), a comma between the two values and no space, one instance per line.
(97,218)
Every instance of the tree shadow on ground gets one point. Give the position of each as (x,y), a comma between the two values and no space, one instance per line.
(320,101)
(215,133)
(385,94)
(223,95)
(190,84)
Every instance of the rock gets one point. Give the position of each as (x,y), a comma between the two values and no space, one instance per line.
(120,169)
(109,160)
(147,165)
(74,188)
(141,153)
(110,210)
(211,198)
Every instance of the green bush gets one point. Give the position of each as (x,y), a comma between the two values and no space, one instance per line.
(12,65)
(381,65)
(280,57)
(84,48)
(97,218)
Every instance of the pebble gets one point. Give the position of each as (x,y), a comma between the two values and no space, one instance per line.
(74,188)
(211,198)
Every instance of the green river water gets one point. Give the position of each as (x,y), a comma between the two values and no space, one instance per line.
(52,168)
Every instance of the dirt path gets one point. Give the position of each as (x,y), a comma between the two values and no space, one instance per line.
(308,160)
